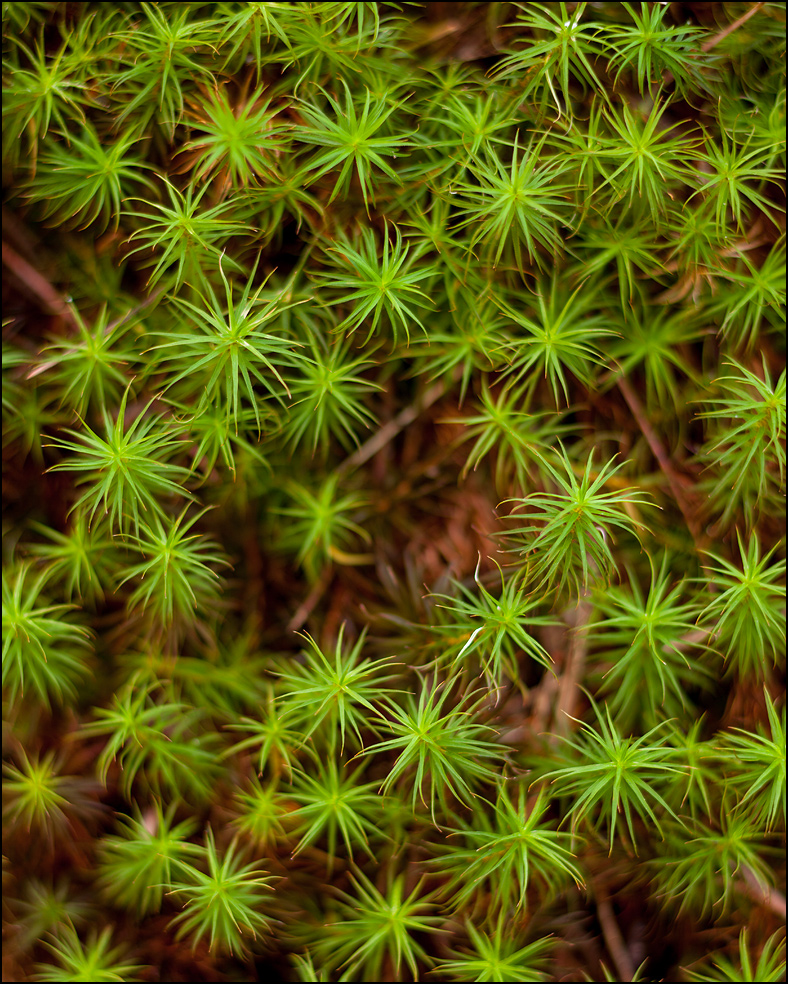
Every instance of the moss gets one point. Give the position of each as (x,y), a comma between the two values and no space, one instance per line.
(394,440)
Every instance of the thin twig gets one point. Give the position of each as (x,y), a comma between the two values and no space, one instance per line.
(667,76)
(712,42)
(762,894)
(37,284)
(660,454)
(390,430)
(542,700)
(307,605)
(574,667)
(614,941)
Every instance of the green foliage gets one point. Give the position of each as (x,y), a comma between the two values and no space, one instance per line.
(278,202)
(215,438)
(88,366)
(700,871)
(244,29)
(702,761)
(272,732)
(470,339)
(496,957)
(567,44)
(571,548)
(260,810)
(496,627)
(219,679)
(356,141)
(748,451)
(644,156)
(607,775)
(322,45)
(761,767)
(770,965)
(183,234)
(328,396)
(628,243)
(49,89)
(513,204)
(229,148)
(448,749)
(223,902)
(562,336)
(651,47)
(47,906)
(654,343)
(42,651)
(734,171)
(126,469)
(640,640)
(473,122)
(229,347)
(159,740)
(37,796)
(137,863)
(91,960)
(329,804)
(380,282)
(372,926)
(507,848)
(752,295)
(88,178)
(320,526)
(518,438)
(745,616)
(28,413)
(159,51)
(334,695)
(175,579)
(353,296)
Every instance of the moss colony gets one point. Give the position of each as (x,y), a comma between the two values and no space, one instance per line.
(394,469)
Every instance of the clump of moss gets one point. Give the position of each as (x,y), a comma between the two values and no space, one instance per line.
(394,443)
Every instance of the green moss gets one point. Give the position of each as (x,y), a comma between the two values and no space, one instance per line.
(450,333)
